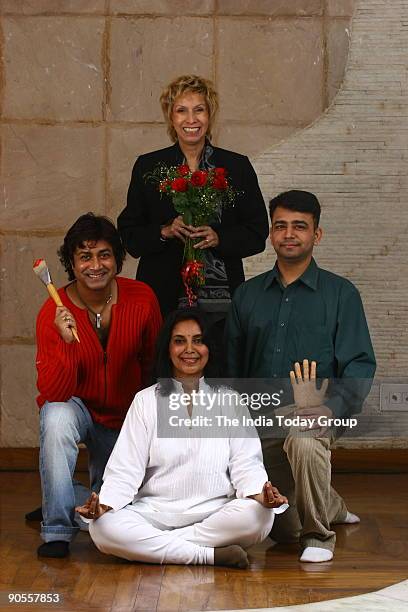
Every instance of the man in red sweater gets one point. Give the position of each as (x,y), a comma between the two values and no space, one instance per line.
(87,387)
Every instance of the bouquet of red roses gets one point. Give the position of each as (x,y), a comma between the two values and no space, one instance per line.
(197,196)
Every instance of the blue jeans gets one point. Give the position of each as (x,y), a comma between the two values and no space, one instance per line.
(63,425)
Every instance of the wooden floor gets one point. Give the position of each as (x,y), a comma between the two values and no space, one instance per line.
(368,557)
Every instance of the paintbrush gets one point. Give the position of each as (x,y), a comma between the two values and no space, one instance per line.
(40,268)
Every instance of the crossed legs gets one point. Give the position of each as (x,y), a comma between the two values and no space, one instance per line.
(127,534)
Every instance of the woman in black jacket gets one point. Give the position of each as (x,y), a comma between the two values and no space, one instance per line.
(152,229)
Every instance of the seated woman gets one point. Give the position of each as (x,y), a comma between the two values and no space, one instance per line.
(184,500)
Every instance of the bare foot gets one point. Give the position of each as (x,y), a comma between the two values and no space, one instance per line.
(231,556)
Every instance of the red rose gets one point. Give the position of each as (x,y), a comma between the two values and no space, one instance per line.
(199,178)
(220,172)
(179,184)
(183,170)
(220,182)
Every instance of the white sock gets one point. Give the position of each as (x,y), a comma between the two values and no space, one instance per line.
(313,554)
(351,518)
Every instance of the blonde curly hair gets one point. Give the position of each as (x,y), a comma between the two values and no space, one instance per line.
(179,86)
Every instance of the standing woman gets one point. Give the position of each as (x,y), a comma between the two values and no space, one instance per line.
(153,231)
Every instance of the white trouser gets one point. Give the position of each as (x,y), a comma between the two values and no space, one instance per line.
(127,534)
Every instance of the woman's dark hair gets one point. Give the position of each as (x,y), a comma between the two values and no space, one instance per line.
(298,201)
(163,370)
(90,228)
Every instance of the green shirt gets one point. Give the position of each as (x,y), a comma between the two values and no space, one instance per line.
(318,317)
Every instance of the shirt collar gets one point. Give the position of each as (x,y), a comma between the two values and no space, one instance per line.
(205,162)
(180,389)
(308,278)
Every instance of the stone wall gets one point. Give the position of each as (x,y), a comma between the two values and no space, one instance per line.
(80,81)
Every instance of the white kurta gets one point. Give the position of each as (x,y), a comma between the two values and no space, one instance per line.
(177,481)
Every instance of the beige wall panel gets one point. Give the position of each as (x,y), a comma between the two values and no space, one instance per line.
(22,293)
(125,145)
(51,174)
(140,67)
(162,7)
(338,40)
(251,140)
(340,8)
(129,267)
(274,74)
(270,7)
(38,7)
(19,417)
(53,68)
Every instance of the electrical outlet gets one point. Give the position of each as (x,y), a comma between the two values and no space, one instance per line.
(394,397)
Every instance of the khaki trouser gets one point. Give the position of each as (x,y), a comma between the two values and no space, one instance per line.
(300,467)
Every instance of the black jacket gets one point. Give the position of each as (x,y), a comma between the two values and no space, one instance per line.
(242,231)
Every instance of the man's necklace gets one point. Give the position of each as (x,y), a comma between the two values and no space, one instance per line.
(97,315)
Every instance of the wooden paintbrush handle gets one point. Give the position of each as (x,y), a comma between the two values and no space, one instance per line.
(55,296)
(75,334)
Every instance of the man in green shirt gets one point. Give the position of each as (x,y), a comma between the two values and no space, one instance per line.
(296,312)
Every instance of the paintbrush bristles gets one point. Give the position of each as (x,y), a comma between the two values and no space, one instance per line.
(41,270)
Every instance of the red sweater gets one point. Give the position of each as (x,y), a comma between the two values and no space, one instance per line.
(106,381)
